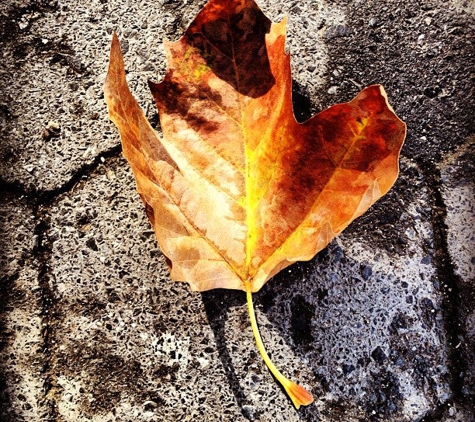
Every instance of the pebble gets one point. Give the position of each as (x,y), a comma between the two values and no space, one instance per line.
(53,126)
(249,412)
(366,272)
(36,242)
(150,405)
(378,355)
(336,31)
(23,24)
(52,130)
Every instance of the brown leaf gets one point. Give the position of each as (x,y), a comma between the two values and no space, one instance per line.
(237,189)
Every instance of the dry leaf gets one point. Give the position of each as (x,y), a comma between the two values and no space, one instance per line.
(236,189)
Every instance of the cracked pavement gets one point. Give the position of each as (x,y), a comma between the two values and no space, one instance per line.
(380,326)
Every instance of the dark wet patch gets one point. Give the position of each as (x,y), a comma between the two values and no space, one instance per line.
(15,31)
(385,398)
(111,376)
(301,320)
(10,29)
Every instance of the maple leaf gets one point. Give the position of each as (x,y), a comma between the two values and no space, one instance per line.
(237,189)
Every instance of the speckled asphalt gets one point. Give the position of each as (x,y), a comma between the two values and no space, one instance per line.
(380,326)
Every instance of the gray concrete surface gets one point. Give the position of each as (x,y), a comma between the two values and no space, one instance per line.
(380,326)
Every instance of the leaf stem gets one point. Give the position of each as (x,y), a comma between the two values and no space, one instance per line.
(298,395)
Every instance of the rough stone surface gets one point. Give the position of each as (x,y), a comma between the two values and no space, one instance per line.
(21,313)
(380,326)
(457,173)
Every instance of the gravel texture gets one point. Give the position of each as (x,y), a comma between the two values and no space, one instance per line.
(380,326)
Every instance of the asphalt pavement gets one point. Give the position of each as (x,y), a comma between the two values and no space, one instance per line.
(380,325)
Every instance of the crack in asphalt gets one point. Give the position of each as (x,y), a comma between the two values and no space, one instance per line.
(45,197)
(449,285)
(48,305)
(41,202)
